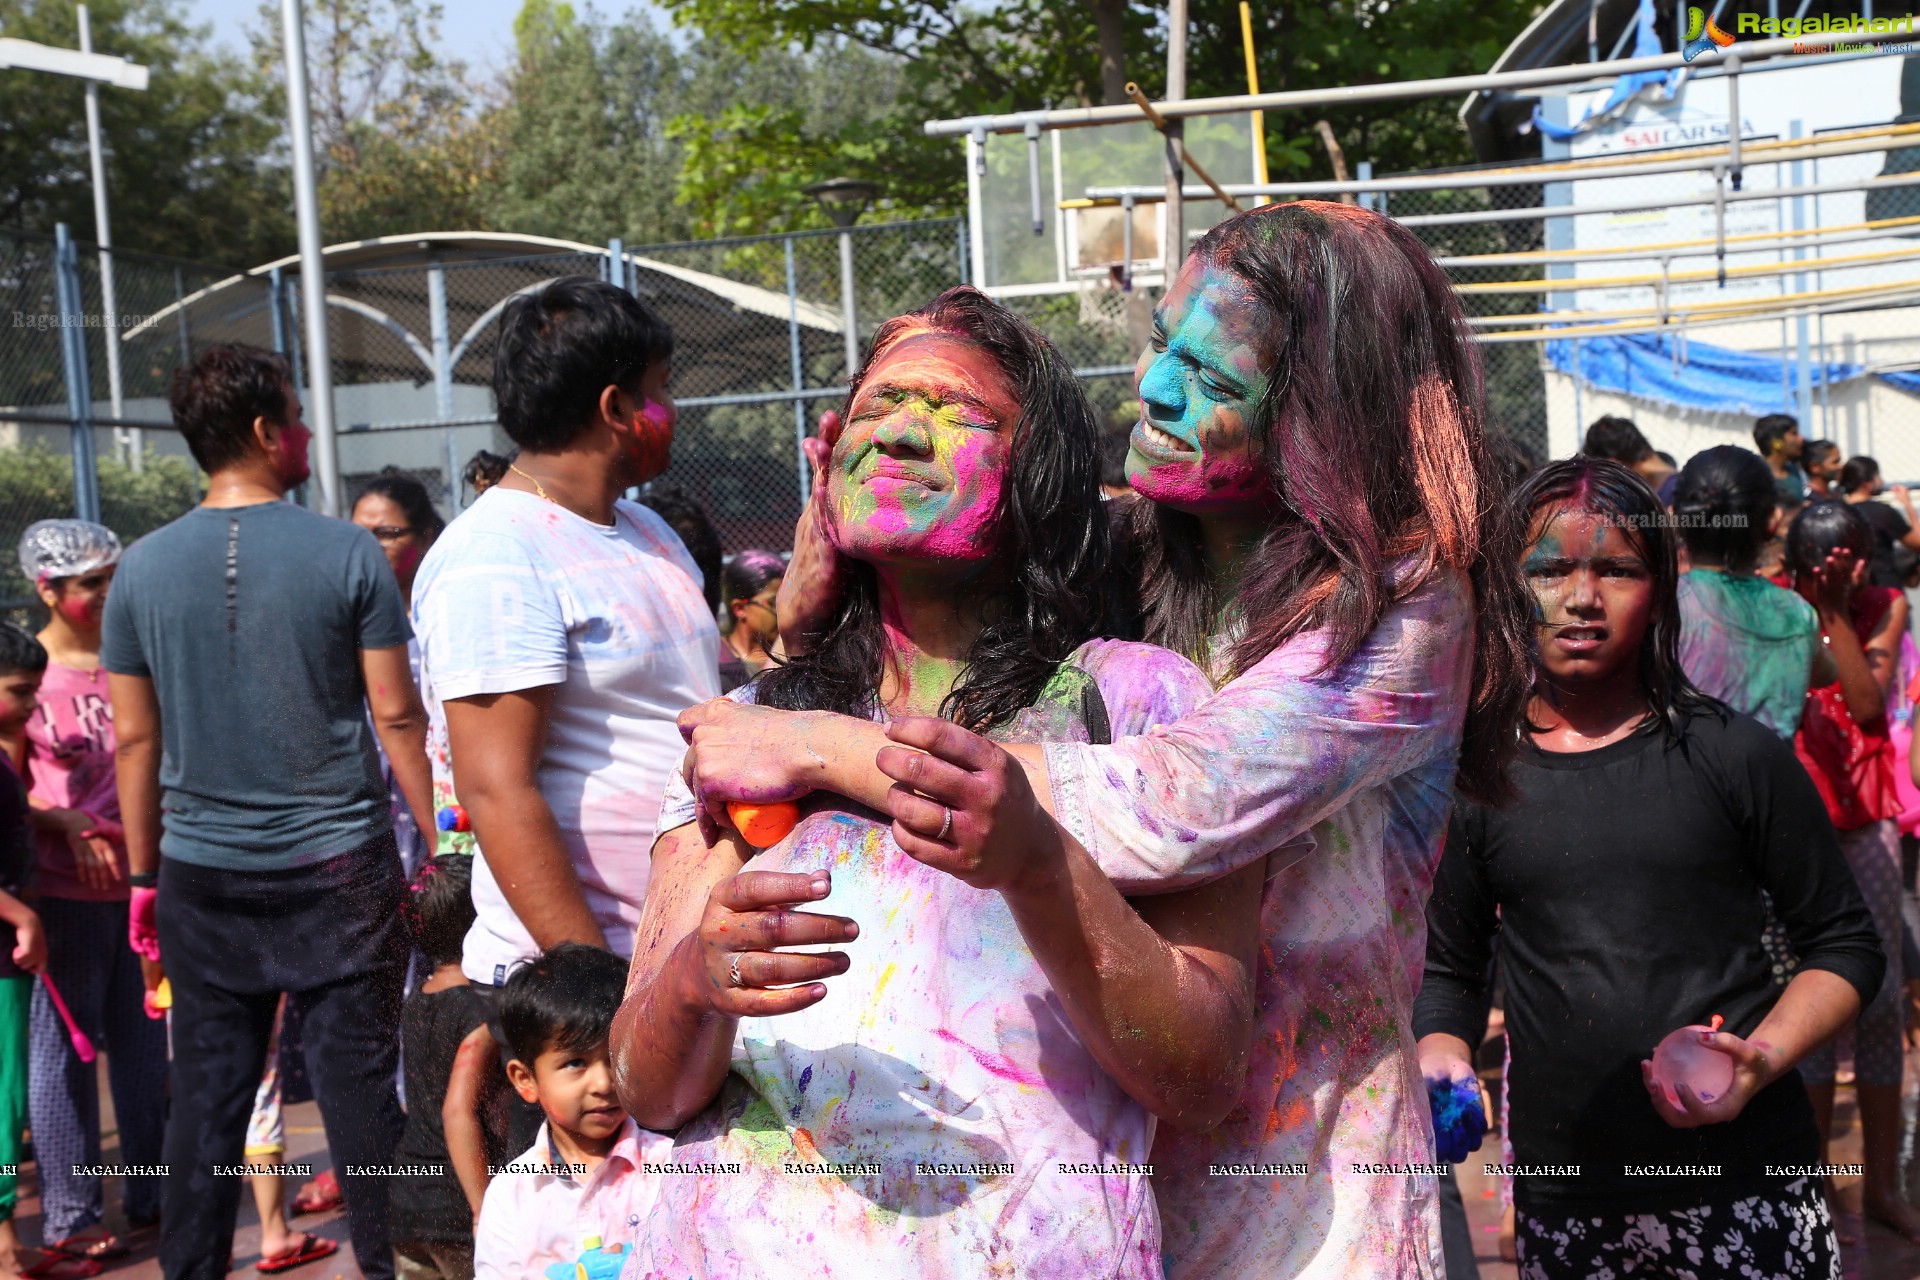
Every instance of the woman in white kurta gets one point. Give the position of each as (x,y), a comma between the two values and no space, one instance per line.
(970,1088)
(1310,452)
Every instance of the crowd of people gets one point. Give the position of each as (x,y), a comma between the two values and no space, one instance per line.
(1074,856)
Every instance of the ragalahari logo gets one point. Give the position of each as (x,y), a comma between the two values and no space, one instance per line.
(1702,34)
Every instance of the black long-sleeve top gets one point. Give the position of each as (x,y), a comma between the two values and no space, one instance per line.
(1624,885)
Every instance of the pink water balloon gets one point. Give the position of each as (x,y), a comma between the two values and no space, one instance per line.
(1681,1057)
(81,1045)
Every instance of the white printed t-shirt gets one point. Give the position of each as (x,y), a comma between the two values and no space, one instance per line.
(519,593)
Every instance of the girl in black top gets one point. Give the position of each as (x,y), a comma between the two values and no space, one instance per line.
(1625,884)
(432,1222)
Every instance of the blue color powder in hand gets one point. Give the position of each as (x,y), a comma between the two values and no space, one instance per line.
(1459,1121)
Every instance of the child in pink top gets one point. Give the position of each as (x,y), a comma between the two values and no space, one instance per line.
(81,863)
(585,1183)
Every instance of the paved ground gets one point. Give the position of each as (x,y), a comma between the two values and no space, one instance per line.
(1878,1255)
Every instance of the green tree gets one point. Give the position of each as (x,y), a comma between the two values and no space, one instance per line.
(403,141)
(958,59)
(566,169)
(36,483)
(193,163)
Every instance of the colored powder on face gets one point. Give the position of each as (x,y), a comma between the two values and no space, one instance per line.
(1203,390)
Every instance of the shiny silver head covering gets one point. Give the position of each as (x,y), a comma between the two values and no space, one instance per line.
(65,549)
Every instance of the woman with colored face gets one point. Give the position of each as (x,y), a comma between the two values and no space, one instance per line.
(396,510)
(967,1084)
(750,588)
(1626,884)
(83,895)
(1310,458)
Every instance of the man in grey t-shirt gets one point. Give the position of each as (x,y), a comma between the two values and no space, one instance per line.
(244,644)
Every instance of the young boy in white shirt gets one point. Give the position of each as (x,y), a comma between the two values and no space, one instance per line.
(582,1187)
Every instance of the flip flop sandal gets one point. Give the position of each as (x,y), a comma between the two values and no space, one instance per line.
(62,1266)
(100,1248)
(319,1196)
(312,1251)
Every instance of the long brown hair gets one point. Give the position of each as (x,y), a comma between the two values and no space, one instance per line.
(1373,429)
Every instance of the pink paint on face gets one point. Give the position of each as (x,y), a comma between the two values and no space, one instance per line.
(290,462)
(82,599)
(1200,381)
(651,448)
(920,471)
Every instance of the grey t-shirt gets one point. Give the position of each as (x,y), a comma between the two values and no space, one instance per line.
(250,622)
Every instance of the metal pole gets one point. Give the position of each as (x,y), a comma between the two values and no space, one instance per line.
(442,344)
(180,316)
(73,358)
(313,270)
(976,215)
(1803,399)
(277,304)
(848,317)
(1363,171)
(1034,195)
(453,476)
(1173,248)
(793,358)
(103,236)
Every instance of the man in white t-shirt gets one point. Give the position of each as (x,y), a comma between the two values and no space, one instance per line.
(562,630)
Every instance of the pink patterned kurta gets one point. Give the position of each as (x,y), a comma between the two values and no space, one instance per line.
(1343,784)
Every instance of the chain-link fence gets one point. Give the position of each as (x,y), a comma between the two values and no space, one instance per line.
(1563,271)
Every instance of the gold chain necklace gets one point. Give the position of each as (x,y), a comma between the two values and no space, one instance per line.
(537,490)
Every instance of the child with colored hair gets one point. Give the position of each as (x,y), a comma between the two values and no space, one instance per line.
(23,947)
(582,1186)
(432,1224)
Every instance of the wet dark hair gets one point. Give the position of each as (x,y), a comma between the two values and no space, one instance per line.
(216,398)
(1045,596)
(560,347)
(747,575)
(20,653)
(1607,489)
(1509,460)
(1858,473)
(1617,438)
(686,516)
(484,465)
(1114,442)
(1824,527)
(1769,430)
(563,999)
(1373,431)
(410,496)
(1725,498)
(439,906)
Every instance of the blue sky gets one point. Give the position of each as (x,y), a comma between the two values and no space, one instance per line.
(480,32)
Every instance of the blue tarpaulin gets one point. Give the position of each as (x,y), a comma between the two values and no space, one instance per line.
(1705,377)
(1646,44)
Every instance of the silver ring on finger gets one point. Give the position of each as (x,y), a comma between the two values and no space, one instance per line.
(733,971)
(946,823)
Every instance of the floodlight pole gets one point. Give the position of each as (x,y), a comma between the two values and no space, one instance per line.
(313,270)
(1173,247)
(103,236)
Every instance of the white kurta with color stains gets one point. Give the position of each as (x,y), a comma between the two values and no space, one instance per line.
(1343,784)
